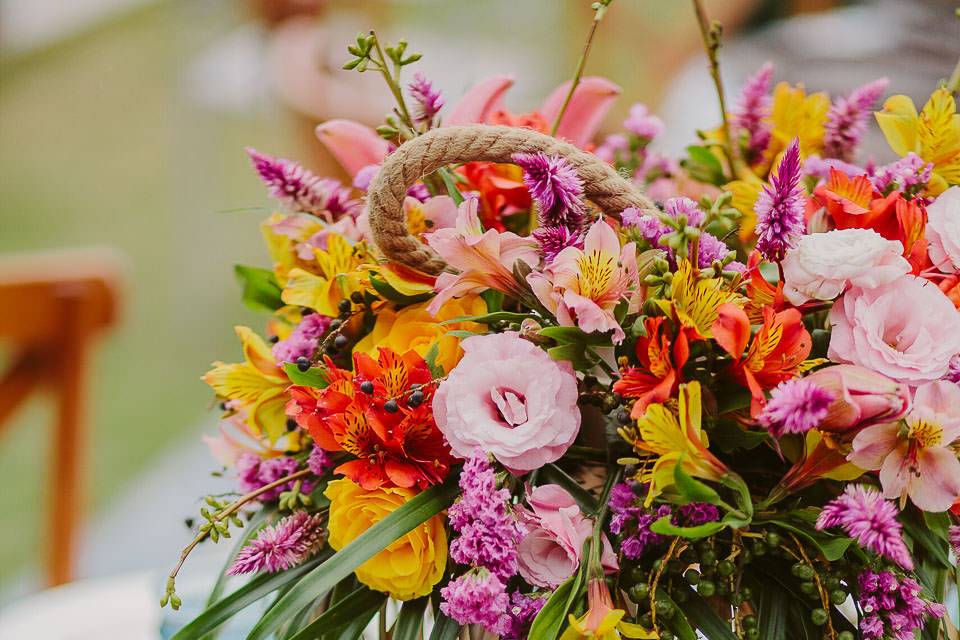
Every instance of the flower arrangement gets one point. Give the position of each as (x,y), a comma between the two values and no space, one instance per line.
(526,385)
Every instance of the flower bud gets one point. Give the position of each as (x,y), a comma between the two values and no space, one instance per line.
(863,398)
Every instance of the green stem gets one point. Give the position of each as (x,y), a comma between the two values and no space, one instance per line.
(578,74)
(953,84)
(393,81)
(710,32)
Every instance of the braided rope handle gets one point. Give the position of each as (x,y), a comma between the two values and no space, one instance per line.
(425,154)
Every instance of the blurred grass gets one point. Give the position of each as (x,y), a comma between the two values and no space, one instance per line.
(99,145)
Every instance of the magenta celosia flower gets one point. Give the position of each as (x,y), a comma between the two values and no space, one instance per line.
(780,207)
(795,406)
(553,240)
(303,340)
(892,606)
(752,109)
(864,515)
(642,123)
(847,119)
(555,186)
(300,190)
(489,534)
(429,101)
(281,546)
(254,472)
(523,609)
(477,597)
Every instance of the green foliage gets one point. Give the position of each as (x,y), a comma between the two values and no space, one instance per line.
(315,377)
(387,292)
(553,615)
(362,603)
(704,166)
(261,292)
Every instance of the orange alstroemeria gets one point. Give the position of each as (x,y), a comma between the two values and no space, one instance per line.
(760,293)
(401,447)
(779,347)
(661,359)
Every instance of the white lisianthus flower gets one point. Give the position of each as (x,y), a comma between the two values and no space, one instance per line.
(823,265)
(943,230)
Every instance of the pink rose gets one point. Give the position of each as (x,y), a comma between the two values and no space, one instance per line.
(906,330)
(556,531)
(511,399)
(823,265)
(943,230)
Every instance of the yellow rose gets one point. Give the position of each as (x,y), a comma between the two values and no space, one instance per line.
(414,328)
(410,566)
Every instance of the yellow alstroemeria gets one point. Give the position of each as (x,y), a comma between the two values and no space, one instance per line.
(745,192)
(794,114)
(933,134)
(673,437)
(282,233)
(335,273)
(413,327)
(257,385)
(695,301)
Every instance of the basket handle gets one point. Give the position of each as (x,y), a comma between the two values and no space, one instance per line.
(425,154)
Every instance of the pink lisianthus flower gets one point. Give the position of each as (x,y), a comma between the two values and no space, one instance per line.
(556,530)
(485,258)
(943,231)
(907,330)
(916,457)
(582,287)
(511,399)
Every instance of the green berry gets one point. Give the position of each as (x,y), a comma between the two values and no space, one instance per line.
(753,634)
(692,576)
(772,538)
(706,588)
(667,635)
(646,620)
(675,566)
(802,571)
(638,574)
(759,549)
(664,609)
(726,568)
(845,635)
(708,557)
(749,621)
(808,588)
(680,595)
(638,592)
(819,617)
(838,596)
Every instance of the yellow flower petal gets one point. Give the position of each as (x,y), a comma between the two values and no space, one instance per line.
(898,122)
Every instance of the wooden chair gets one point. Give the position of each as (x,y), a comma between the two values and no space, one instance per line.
(52,306)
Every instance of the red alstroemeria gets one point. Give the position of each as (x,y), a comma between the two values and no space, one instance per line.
(852,203)
(501,190)
(402,448)
(777,349)
(658,376)
(760,293)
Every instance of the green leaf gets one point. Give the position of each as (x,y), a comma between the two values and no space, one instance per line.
(703,166)
(744,500)
(461,333)
(410,620)
(553,473)
(389,293)
(353,606)
(772,611)
(418,510)
(553,615)
(431,359)
(731,398)
(494,300)
(444,628)
(490,318)
(728,436)
(450,183)
(575,354)
(259,587)
(929,541)
(261,292)
(313,377)
(691,489)
(705,619)
(575,335)
(665,527)
(832,547)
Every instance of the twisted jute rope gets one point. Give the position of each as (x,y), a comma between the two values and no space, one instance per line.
(425,154)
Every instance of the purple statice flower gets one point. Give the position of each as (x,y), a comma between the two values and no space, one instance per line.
(819,168)
(909,175)
(780,206)
(695,513)
(710,249)
(847,119)
(955,538)
(428,100)
(299,189)
(319,461)
(631,521)
(642,123)
(523,609)
(303,340)
(281,546)
(477,597)
(676,207)
(254,472)
(892,606)
(753,109)
(795,406)
(553,240)
(863,514)
(489,534)
(556,188)
(613,148)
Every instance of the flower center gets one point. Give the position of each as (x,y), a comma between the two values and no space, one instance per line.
(925,434)
(510,404)
(596,274)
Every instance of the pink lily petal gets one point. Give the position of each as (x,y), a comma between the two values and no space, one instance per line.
(603,239)
(872,445)
(591,101)
(354,145)
(479,101)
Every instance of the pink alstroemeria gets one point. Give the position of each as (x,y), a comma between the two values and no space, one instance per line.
(582,287)
(916,456)
(485,258)
(354,145)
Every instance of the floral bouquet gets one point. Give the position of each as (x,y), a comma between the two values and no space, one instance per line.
(515,384)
